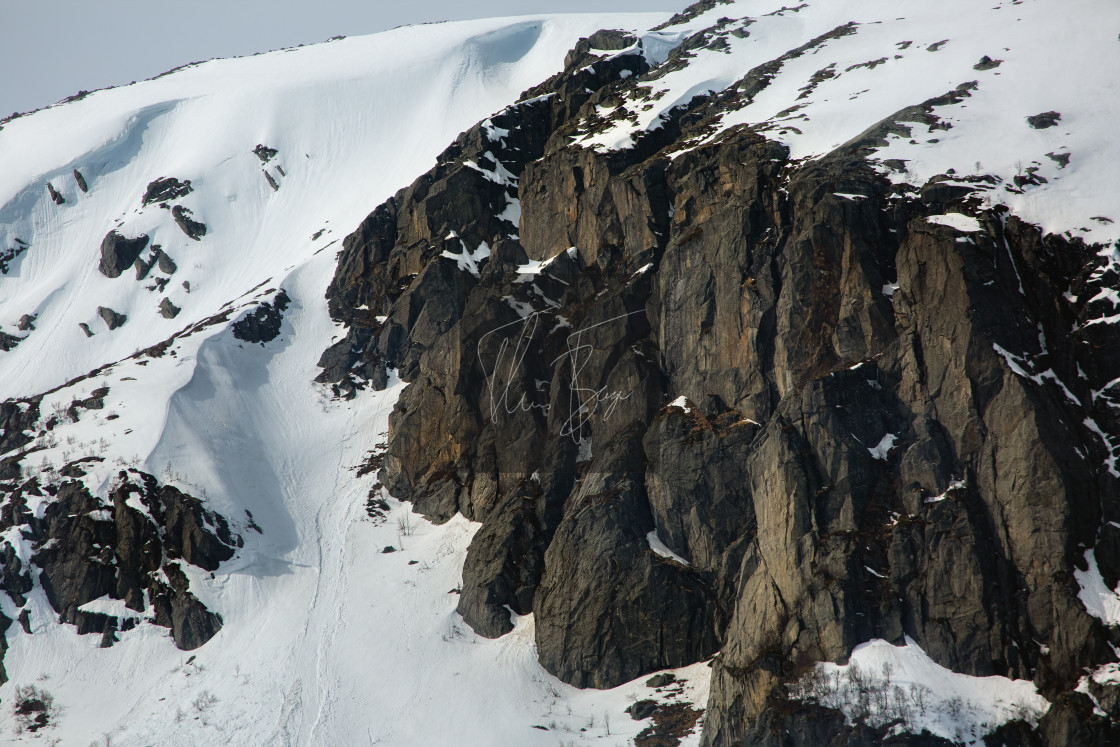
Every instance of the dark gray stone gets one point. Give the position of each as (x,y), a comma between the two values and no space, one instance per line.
(166,264)
(1044,120)
(262,324)
(111,318)
(55,195)
(165,189)
(84,556)
(118,253)
(9,342)
(192,228)
(264,153)
(167,309)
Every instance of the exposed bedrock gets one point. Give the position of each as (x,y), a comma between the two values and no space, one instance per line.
(127,548)
(728,403)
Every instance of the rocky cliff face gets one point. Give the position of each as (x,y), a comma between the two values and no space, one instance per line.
(708,400)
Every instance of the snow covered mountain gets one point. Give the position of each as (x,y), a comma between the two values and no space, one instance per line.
(443,385)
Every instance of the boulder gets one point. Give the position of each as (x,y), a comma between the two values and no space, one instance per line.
(167,309)
(263,323)
(118,253)
(165,189)
(166,264)
(192,228)
(111,318)
(1044,120)
(55,195)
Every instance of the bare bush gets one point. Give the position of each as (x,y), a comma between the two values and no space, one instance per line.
(34,709)
(204,701)
(871,698)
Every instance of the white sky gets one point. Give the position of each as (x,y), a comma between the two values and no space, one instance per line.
(55,48)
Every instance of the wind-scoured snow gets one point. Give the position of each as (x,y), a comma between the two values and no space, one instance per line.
(326,638)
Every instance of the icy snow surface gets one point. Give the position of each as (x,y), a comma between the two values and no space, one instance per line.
(662,549)
(326,639)
(903,686)
(1102,602)
(963,223)
(883,448)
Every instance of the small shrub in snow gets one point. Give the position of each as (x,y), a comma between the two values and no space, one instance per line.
(34,709)
(874,696)
(204,701)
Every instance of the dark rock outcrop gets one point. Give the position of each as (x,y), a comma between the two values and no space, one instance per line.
(702,400)
(16,420)
(264,153)
(166,264)
(55,195)
(165,189)
(7,256)
(1044,120)
(9,342)
(987,63)
(111,318)
(167,309)
(27,322)
(184,220)
(262,324)
(118,253)
(143,267)
(635,611)
(128,549)
(80,181)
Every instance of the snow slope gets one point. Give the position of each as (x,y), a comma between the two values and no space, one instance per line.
(326,639)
